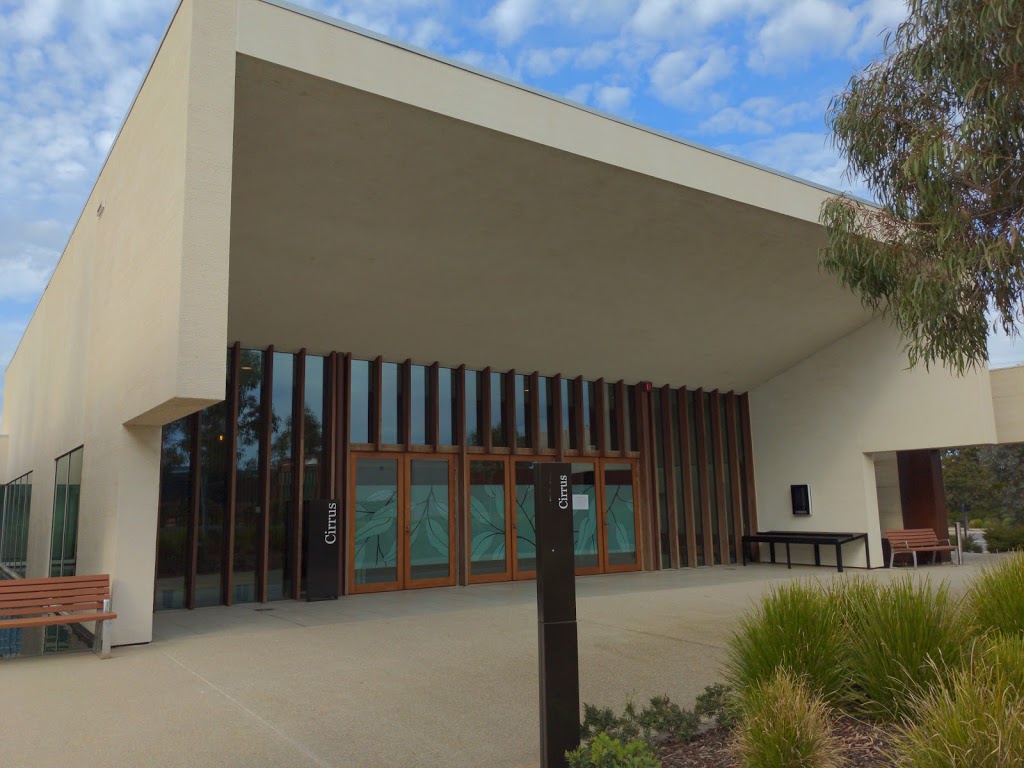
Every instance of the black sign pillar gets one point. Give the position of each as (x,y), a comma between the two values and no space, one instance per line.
(556,614)
(323,547)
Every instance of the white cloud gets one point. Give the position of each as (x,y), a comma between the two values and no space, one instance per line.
(805,155)
(683,78)
(876,18)
(760,115)
(510,19)
(613,98)
(802,28)
(580,93)
(670,19)
(544,62)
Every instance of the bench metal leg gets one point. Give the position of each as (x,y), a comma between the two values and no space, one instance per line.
(101,638)
(771,549)
(789,560)
(915,558)
(839,557)
(892,558)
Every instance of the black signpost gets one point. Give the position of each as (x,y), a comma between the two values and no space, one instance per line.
(323,545)
(556,615)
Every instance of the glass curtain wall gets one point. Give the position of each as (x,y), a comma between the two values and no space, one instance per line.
(173,514)
(14,516)
(66,496)
(248,461)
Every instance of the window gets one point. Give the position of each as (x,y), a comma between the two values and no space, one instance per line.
(499,402)
(15,505)
(447,404)
(548,417)
(474,408)
(66,493)
(361,415)
(524,429)
(569,441)
(391,432)
(421,417)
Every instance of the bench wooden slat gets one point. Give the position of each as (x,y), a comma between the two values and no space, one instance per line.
(42,597)
(30,610)
(50,621)
(15,585)
(59,579)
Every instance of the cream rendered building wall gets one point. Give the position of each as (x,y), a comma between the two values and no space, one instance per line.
(131,332)
(887,481)
(1008,401)
(821,421)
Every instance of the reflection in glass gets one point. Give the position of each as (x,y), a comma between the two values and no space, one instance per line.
(421,428)
(391,404)
(677,473)
(712,485)
(474,408)
(499,403)
(429,519)
(526,517)
(631,419)
(524,427)
(362,418)
(173,511)
(611,417)
(447,404)
(66,496)
(375,543)
(730,513)
(314,437)
(620,518)
(213,501)
(584,521)
(659,452)
(569,441)
(282,479)
(548,417)
(247,476)
(590,423)
(487,518)
(59,509)
(695,489)
(15,505)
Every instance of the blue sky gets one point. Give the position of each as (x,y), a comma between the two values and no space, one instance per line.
(750,77)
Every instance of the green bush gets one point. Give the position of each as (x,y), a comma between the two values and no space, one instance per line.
(1001,537)
(995,599)
(607,752)
(661,720)
(969,543)
(797,628)
(976,721)
(901,638)
(784,725)
(718,702)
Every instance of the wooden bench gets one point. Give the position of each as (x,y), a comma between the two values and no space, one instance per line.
(914,540)
(51,602)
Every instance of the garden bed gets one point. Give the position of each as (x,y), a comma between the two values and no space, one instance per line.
(865,747)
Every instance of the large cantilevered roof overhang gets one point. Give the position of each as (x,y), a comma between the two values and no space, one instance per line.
(388,202)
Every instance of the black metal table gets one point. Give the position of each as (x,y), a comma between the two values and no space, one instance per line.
(815,538)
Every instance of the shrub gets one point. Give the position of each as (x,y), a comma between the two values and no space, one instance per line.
(995,599)
(719,703)
(784,725)
(973,722)
(607,752)
(902,636)
(1001,537)
(796,628)
(969,543)
(661,720)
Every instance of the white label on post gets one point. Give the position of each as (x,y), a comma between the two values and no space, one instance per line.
(580,501)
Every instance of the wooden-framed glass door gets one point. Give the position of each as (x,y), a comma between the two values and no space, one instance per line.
(401,522)
(620,518)
(524,524)
(586,520)
(490,520)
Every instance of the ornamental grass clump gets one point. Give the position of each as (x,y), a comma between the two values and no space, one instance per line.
(902,639)
(784,725)
(974,721)
(995,600)
(795,628)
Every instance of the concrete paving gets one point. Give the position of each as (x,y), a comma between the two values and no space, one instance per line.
(441,677)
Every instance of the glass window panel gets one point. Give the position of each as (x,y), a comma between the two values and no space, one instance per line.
(474,408)
(59,516)
(488,518)
(524,425)
(362,419)
(526,517)
(695,490)
(430,519)
(282,479)
(611,418)
(730,512)
(590,422)
(631,439)
(569,441)
(678,474)
(548,417)
(213,502)
(173,513)
(712,485)
(499,403)
(391,428)
(584,521)
(421,428)
(314,430)
(375,544)
(665,546)
(447,404)
(620,514)
(74,495)
(247,466)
